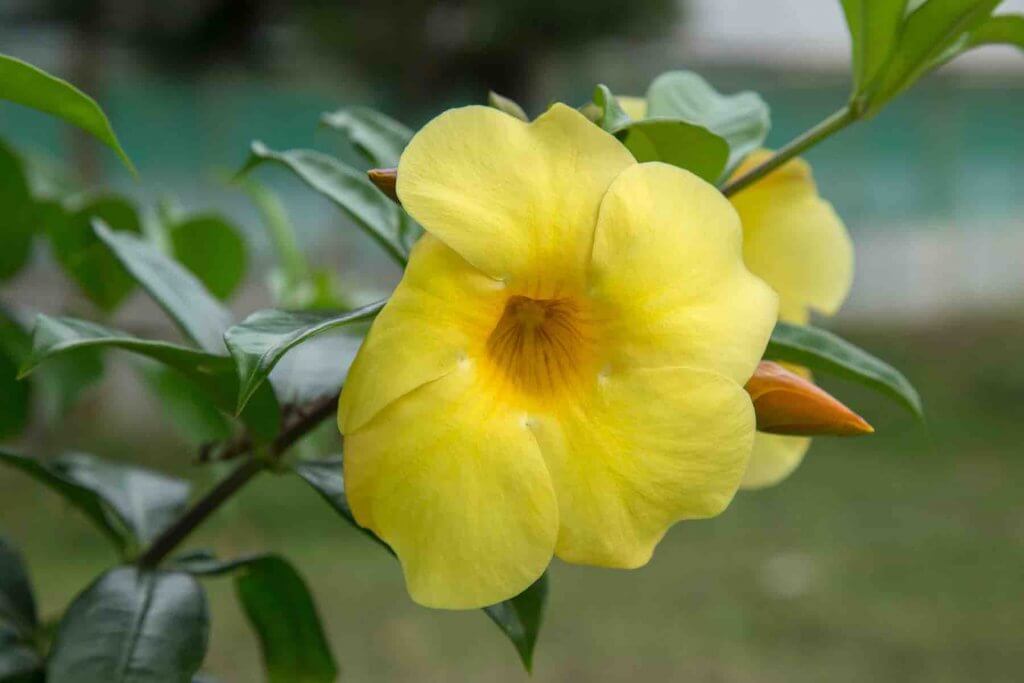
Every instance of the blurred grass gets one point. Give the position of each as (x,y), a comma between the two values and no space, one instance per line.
(894,558)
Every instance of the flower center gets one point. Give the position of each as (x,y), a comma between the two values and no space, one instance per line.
(540,346)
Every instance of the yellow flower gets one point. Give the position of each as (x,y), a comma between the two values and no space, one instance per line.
(794,241)
(560,370)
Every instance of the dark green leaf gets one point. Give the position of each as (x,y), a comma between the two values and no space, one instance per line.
(213,250)
(177,291)
(127,503)
(509,106)
(281,610)
(928,33)
(17,227)
(824,352)
(15,395)
(193,413)
(874,26)
(83,256)
(19,656)
(349,189)
(212,374)
(379,138)
(742,120)
(32,87)
(132,627)
(686,145)
(520,618)
(259,342)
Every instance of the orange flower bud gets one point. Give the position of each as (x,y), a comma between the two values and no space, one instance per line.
(786,403)
(386,180)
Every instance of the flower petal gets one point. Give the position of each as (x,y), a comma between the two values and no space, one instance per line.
(515,199)
(774,458)
(646,449)
(457,487)
(668,275)
(441,313)
(794,240)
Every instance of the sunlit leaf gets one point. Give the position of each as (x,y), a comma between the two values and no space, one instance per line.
(182,296)
(686,145)
(213,250)
(30,86)
(346,188)
(20,659)
(259,342)
(742,120)
(379,138)
(281,610)
(17,227)
(212,374)
(824,352)
(81,253)
(132,626)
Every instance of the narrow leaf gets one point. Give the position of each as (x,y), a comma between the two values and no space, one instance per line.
(509,106)
(182,296)
(259,342)
(822,351)
(29,86)
(742,120)
(379,138)
(132,626)
(1004,29)
(212,374)
(346,188)
(520,618)
(280,608)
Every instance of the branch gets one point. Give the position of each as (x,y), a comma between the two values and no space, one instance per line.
(307,418)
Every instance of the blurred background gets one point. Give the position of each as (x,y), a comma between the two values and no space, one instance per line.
(894,558)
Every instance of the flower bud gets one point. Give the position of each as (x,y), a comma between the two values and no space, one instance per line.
(786,403)
(386,180)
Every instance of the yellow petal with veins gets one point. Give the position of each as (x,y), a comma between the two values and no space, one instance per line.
(668,278)
(456,485)
(645,449)
(518,200)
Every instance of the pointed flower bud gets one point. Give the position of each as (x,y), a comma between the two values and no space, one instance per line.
(786,403)
(386,180)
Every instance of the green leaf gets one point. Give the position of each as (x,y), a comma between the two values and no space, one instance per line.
(83,256)
(16,224)
(824,352)
(182,296)
(874,26)
(686,145)
(213,250)
(348,189)
(279,227)
(132,626)
(742,120)
(212,374)
(193,413)
(1003,29)
(281,610)
(15,395)
(130,504)
(521,617)
(259,342)
(379,138)
(19,656)
(32,87)
(509,106)
(928,33)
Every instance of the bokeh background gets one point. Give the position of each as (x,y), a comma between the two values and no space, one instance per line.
(894,558)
